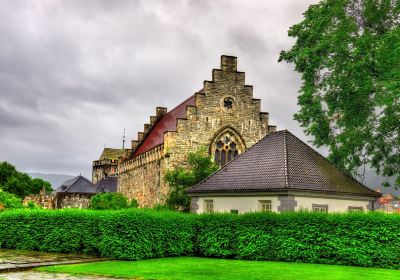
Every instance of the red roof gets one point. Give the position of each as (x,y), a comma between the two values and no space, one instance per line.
(166,123)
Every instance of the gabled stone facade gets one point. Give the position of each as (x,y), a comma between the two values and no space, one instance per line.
(223,116)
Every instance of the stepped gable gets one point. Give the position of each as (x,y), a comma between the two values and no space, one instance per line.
(78,184)
(281,162)
(166,123)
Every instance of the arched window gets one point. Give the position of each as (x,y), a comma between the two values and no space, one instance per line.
(226,146)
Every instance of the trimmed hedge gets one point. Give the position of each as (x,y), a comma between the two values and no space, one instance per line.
(361,239)
(125,234)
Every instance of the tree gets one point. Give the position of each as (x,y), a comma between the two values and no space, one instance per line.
(18,183)
(7,170)
(348,55)
(199,166)
(38,184)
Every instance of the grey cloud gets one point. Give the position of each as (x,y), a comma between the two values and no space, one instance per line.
(73,74)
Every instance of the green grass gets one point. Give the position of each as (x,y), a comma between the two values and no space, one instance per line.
(204,268)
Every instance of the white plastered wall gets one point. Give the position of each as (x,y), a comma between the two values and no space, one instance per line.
(243,204)
(334,204)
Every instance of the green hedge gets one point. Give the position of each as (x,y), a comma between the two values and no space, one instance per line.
(125,234)
(360,239)
(371,240)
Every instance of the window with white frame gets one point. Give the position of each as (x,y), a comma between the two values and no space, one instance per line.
(355,209)
(321,208)
(209,206)
(265,205)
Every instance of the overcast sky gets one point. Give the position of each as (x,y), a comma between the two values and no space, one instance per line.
(74,74)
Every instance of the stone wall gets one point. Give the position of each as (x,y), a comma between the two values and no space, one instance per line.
(45,201)
(142,177)
(60,200)
(103,168)
(73,200)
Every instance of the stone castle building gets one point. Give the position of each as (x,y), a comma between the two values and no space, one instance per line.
(107,164)
(223,116)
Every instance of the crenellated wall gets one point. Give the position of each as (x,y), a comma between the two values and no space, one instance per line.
(225,103)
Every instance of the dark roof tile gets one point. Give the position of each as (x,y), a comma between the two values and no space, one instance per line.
(107,184)
(78,184)
(281,161)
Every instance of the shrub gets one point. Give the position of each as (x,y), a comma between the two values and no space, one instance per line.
(134,203)
(126,234)
(109,201)
(32,205)
(9,201)
(361,239)
(200,165)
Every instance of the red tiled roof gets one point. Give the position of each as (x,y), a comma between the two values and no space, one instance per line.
(166,123)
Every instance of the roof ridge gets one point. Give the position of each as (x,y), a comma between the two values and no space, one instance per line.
(327,160)
(73,182)
(286,168)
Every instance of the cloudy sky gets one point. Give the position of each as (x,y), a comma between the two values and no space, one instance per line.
(74,74)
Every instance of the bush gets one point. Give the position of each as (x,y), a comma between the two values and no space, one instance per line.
(134,203)
(361,239)
(109,201)
(9,201)
(126,234)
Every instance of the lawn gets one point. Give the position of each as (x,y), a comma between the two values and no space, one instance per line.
(205,268)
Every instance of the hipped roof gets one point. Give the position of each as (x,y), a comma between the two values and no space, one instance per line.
(78,184)
(281,162)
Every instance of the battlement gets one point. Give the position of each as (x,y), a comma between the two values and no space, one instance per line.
(154,154)
(102,162)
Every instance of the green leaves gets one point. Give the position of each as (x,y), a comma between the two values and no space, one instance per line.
(199,166)
(9,201)
(111,201)
(18,183)
(348,53)
(360,239)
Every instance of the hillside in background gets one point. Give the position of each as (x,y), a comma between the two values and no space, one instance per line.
(55,179)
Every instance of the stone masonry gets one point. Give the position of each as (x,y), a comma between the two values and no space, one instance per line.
(224,108)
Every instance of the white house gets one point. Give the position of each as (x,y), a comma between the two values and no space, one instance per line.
(280,173)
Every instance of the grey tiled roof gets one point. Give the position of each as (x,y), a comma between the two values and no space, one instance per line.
(281,162)
(78,184)
(107,184)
